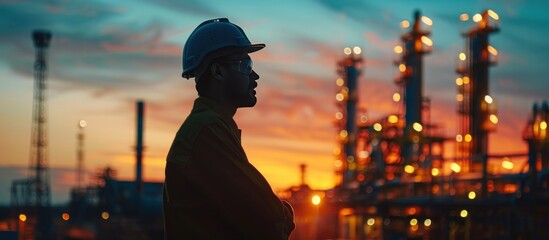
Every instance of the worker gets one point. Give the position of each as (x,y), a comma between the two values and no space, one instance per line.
(211,190)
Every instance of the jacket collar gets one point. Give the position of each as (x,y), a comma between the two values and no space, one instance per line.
(204,103)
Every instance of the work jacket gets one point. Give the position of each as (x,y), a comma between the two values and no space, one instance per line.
(211,191)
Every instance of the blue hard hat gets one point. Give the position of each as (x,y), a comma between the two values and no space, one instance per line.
(211,39)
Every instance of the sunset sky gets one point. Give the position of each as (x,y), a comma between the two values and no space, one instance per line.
(105,55)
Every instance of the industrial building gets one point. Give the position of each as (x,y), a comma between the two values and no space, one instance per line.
(394,181)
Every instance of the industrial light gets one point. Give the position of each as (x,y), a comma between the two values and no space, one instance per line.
(398,49)
(371,221)
(377,127)
(462,56)
(65,216)
(409,169)
(427,20)
(347,51)
(363,154)
(396,97)
(434,171)
(338,163)
(463,213)
(459,97)
(339,115)
(493,14)
(488,99)
(464,17)
(340,82)
(459,81)
(343,133)
(507,164)
(357,50)
(472,195)
(417,127)
(427,222)
(459,138)
(315,200)
(468,137)
(427,41)
(455,167)
(492,50)
(413,222)
(22,217)
(477,18)
(105,215)
(405,24)
(82,123)
(466,80)
(494,119)
(402,67)
(392,119)
(339,97)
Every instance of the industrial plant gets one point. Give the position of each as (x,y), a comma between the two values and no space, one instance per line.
(394,180)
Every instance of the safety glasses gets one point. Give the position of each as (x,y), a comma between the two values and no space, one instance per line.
(244,66)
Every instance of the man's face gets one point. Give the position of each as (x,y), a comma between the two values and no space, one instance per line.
(241,80)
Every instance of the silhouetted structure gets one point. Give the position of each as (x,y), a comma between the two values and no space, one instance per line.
(402,187)
(31,197)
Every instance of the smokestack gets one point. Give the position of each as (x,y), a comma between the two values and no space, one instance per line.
(139,150)
(303,168)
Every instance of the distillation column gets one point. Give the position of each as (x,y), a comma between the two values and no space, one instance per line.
(349,70)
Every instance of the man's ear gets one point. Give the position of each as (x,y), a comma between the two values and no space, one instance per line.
(217,71)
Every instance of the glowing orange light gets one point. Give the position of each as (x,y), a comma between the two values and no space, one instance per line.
(396,97)
(427,20)
(377,127)
(455,167)
(468,138)
(462,56)
(459,138)
(472,195)
(339,115)
(459,81)
(466,80)
(494,119)
(463,213)
(493,14)
(338,163)
(340,82)
(392,119)
(459,97)
(65,216)
(398,49)
(492,50)
(507,164)
(409,169)
(105,215)
(417,126)
(315,200)
(413,222)
(464,17)
(22,217)
(434,171)
(402,67)
(405,24)
(427,41)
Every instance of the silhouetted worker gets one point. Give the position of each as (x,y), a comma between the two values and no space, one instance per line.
(211,190)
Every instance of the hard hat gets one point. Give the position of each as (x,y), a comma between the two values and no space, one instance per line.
(214,38)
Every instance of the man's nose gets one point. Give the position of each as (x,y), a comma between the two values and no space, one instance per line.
(254,75)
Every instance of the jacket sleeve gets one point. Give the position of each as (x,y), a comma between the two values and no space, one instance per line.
(219,179)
